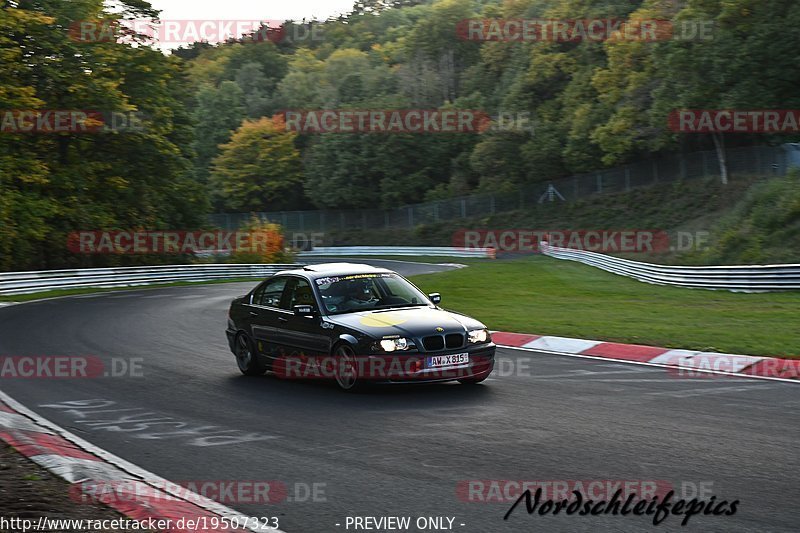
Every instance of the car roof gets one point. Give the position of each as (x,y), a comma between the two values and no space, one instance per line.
(334,269)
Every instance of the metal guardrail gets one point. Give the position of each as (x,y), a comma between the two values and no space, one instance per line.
(746,278)
(440,251)
(45,280)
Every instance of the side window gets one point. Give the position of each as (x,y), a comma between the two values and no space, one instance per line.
(302,294)
(258,295)
(270,293)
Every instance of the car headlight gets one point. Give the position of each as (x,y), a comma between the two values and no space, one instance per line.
(478,335)
(390,345)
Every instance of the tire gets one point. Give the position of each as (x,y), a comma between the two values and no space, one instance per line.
(346,369)
(246,359)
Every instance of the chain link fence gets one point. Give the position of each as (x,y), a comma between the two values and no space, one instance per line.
(761,160)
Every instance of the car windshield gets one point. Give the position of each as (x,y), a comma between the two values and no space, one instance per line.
(368,292)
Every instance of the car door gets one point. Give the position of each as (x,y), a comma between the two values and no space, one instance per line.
(264,309)
(304,334)
(301,338)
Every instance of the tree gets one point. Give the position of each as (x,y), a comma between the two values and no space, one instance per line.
(55,183)
(218,113)
(749,62)
(300,87)
(259,169)
(252,81)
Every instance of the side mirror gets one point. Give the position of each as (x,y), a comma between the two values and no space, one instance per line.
(303,310)
(435,297)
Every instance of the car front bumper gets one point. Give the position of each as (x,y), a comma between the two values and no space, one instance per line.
(410,368)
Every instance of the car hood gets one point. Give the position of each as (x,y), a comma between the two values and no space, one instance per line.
(406,322)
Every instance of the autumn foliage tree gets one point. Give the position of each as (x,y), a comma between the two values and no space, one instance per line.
(264,244)
(259,169)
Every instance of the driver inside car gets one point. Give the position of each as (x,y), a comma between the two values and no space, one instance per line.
(357,294)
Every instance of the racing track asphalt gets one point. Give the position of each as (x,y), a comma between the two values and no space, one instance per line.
(402,450)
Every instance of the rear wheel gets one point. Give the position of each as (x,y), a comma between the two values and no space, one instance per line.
(246,358)
(346,368)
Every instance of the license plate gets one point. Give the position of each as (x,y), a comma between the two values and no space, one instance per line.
(438,361)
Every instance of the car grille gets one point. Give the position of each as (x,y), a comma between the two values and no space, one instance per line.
(433,343)
(440,342)
(454,340)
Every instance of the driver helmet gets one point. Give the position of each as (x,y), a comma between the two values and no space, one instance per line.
(359,289)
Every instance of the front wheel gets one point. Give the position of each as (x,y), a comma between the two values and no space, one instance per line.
(246,358)
(346,370)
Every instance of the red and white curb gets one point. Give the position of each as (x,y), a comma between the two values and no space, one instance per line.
(717,363)
(137,494)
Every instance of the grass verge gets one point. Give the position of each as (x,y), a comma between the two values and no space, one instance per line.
(546,296)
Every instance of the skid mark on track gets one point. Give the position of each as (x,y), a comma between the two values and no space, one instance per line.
(634,380)
(783,407)
(688,393)
(590,374)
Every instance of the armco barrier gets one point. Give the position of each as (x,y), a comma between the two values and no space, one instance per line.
(45,280)
(755,278)
(439,251)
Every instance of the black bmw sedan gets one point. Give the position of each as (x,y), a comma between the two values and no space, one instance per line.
(355,324)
